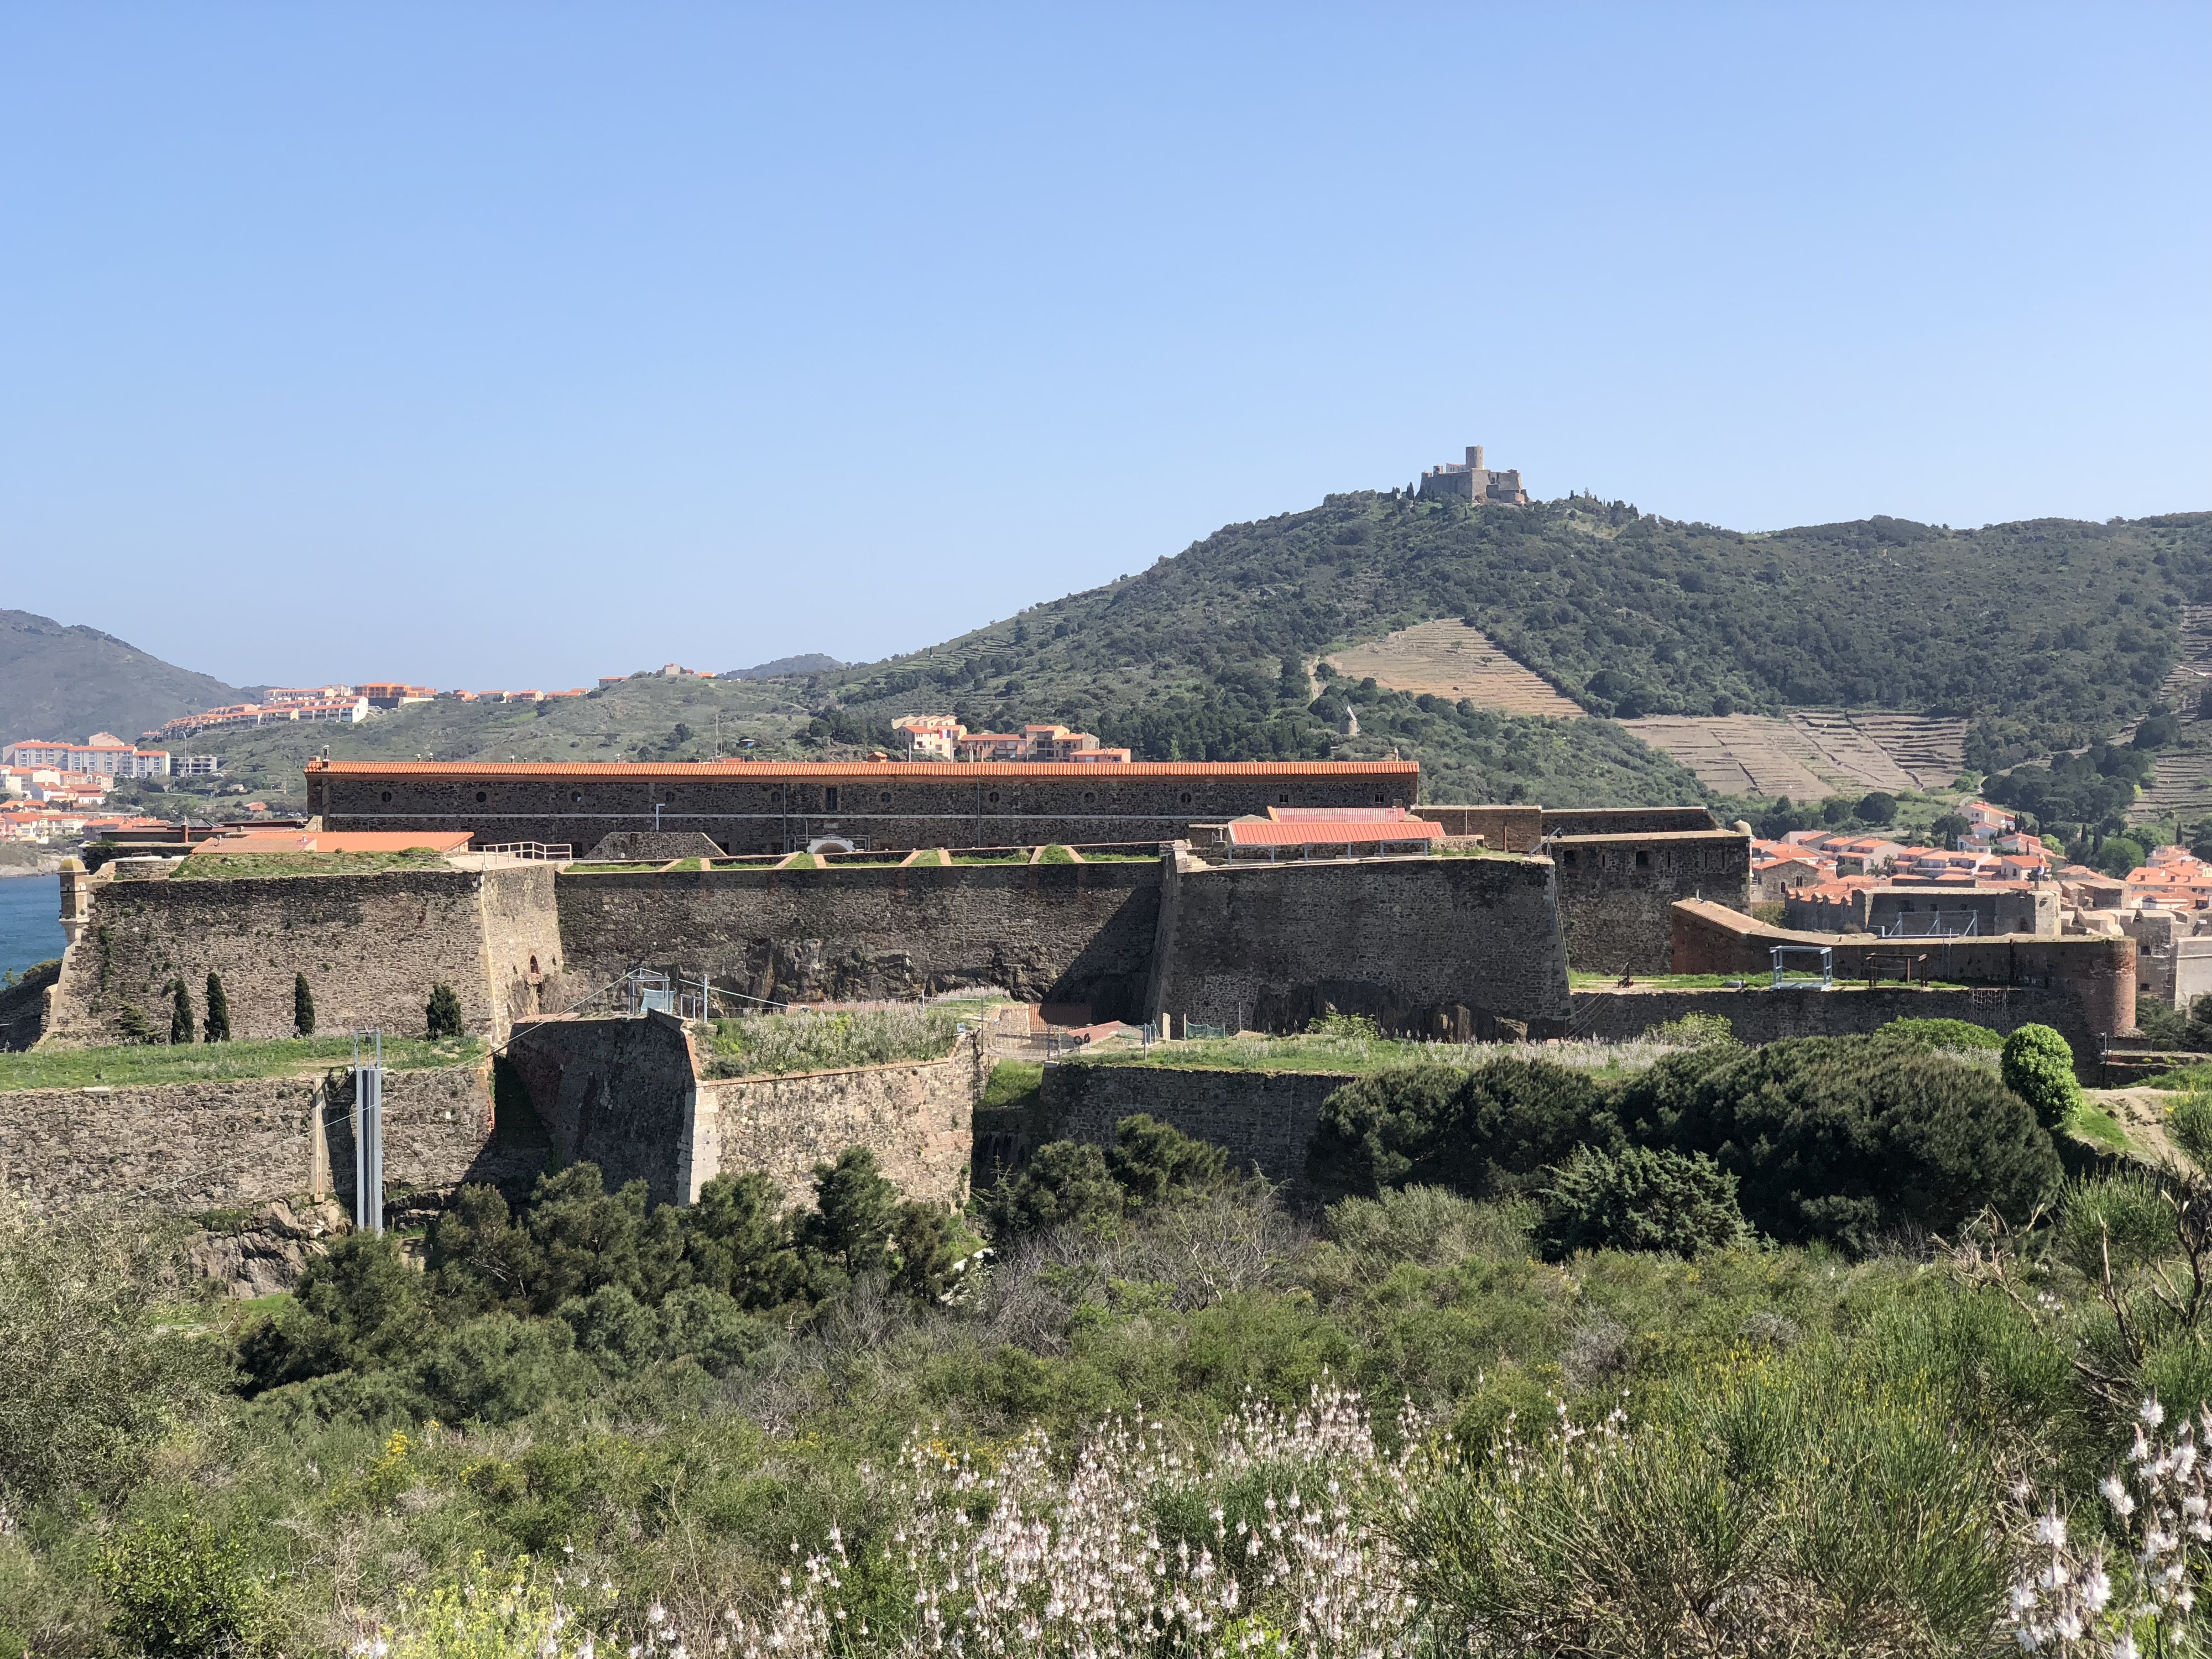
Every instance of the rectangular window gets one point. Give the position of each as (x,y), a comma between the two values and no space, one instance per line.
(829,797)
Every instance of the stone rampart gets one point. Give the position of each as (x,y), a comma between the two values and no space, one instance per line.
(183,1148)
(1050,932)
(626,1095)
(372,947)
(1759,1015)
(1430,946)
(2097,975)
(1264,1119)
(918,1118)
(1617,891)
(1626,820)
(1503,829)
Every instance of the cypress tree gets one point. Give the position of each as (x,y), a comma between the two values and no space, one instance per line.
(303,1006)
(180,1013)
(217,1029)
(443,1016)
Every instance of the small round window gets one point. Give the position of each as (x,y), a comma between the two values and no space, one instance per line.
(1088,797)
(775,797)
(576,795)
(993,798)
(480,794)
(386,797)
(1184,798)
(885,798)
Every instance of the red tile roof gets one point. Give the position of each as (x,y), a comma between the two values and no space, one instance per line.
(1248,832)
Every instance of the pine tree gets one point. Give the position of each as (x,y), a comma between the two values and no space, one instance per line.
(303,1006)
(444,1014)
(180,1013)
(217,1029)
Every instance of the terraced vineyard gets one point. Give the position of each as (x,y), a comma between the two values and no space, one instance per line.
(1812,753)
(1449,658)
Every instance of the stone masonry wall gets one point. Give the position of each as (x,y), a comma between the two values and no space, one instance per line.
(1265,1119)
(1433,947)
(1054,932)
(615,1092)
(372,947)
(1617,892)
(626,1095)
(182,1148)
(761,807)
(2098,974)
(918,1118)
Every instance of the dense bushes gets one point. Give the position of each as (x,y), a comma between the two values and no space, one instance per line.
(1843,1138)
(1640,1200)
(587,1282)
(1074,1183)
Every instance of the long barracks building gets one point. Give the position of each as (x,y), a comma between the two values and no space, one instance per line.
(763,806)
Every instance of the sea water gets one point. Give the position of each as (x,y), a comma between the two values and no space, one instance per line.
(30,920)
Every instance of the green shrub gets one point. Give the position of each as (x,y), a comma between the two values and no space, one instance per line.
(1071,1183)
(1478,1132)
(178,1591)
(91,1377)
(737,1242)
(1942,1034)
(2039,1068)
(2124,1220)
(1357,1028)
(1847,1138)
(358,1305)
(303,1006)
(1695,1031)
(1640,1200)
(499,1369)
(1066,1184)
(831,1041)
(443,1018)
(1153,1162)
(217,1029)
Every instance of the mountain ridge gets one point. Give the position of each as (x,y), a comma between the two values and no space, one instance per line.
(65,681)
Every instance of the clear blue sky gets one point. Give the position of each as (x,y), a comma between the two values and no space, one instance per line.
(497,344)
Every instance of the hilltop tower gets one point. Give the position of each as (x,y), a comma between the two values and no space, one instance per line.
(1474,482)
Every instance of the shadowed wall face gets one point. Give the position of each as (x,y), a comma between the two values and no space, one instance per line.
(1617,891)
(1431,947)
(1047,933)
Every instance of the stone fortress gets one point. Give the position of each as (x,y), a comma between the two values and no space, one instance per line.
(921,880)
(1472,481)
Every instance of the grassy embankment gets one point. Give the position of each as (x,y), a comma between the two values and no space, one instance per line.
(138,1065)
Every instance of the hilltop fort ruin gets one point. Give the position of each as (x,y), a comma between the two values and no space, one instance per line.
(1472,481)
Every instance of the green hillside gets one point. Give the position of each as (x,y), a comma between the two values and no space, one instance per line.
(643,719)
(66,683)
(2047,634)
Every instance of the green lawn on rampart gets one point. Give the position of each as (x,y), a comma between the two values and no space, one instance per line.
(234,866)
(129,1065)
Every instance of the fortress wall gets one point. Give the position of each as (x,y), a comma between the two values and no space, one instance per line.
(1054,932)
(1505,829)
(1265,1119)
(1617,892)
(1437,946)
(372,947)
(753,808)
(1759,1017)
(917,1118)
(626,1094)
(1627,820)
(182,1148)
(2097,975)
(615,1092)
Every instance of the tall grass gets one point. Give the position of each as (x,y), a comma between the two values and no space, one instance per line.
(126,1066)
(760,1043)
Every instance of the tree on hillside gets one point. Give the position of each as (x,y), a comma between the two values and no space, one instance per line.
(180,1012)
